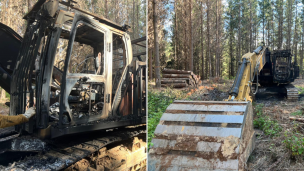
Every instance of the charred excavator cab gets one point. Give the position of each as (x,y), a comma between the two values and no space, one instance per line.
(77,69)
(279,71)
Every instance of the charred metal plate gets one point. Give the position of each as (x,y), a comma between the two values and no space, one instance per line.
(24,144)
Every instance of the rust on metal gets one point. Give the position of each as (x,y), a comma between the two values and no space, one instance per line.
(215,135)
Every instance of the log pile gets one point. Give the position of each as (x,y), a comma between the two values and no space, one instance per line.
(178,78)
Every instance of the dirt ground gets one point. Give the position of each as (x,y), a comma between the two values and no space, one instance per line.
(270,153)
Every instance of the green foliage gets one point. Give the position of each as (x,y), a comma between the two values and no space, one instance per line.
(270,127)
(294,141)
(157,104)
(7,95)
(301,89)
(299,112)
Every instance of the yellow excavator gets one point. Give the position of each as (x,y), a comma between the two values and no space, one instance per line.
(210,135)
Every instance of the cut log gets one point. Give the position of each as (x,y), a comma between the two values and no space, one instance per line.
(297,119)
(175,85)
(175,76)
(173,71)
(172,81)
(164,79)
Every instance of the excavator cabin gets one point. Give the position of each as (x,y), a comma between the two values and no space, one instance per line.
(77,69)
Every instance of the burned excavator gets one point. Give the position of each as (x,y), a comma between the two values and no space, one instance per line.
(279,72)
(80,73)
(215,135)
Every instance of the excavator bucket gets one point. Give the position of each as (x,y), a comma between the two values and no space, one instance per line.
(198,135)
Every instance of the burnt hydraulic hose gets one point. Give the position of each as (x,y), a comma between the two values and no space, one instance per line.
(235,89)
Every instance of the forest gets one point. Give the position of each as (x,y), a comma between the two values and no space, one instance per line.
(209,37)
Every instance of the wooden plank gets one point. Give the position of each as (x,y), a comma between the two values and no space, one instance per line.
(173,71)
(172,81)
(175,76)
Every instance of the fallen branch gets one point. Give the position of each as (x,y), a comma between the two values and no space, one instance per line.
(297,119)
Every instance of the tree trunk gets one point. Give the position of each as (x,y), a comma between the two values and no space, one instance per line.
(2,97)
(137,19)
(217,42)
(280,24)
(295,39)
(133,18)
(106,9)
(175,33)
(190,38)
(150,64)
(29,5)
(202,40)
(156,45)
(208,34)
(263,21)
(268,35)
(289,24)
(302,56)
(9,13)
(272,34)
(185,37)
(240,33)
(250,27)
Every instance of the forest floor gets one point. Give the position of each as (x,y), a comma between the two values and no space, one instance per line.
(279,141)
(4,109)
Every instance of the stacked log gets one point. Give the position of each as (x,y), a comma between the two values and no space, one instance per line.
(179,78)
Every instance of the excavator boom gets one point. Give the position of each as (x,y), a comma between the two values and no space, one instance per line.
(252,64)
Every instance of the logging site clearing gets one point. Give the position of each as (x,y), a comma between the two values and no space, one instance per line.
(278,123)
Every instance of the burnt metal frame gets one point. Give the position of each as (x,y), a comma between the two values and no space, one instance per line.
(139,80)
(291,67)
(51,28)
(70,79)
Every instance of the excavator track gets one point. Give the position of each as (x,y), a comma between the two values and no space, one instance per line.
(292,93)
(114,150)
(199,135)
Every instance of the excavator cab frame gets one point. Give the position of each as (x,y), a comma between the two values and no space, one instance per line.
(69,102)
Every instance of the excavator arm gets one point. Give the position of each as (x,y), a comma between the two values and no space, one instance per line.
(251,65)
